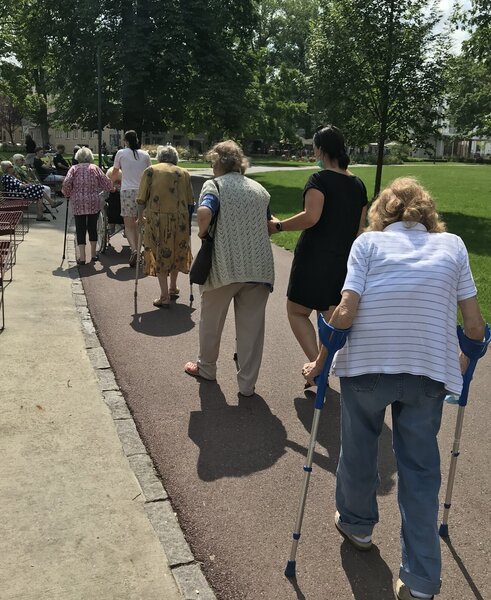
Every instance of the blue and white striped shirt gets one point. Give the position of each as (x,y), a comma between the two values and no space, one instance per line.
(409,282)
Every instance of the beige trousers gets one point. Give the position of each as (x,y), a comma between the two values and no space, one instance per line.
(249,306)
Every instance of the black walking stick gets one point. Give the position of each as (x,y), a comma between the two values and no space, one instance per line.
(66,225)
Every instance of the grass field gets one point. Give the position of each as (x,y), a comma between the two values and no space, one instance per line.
(462,194)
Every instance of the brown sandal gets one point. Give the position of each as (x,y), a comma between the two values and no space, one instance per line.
(162,302)
(174,293)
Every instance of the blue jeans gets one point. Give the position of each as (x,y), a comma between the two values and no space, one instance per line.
(52,178)
(416,403)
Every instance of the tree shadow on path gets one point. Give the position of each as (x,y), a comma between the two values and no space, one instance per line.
(234,441)
(328,436)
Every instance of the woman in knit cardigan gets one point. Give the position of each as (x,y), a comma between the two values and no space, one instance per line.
(242,267)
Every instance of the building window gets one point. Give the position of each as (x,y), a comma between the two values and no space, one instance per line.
(84,134)
(67,135)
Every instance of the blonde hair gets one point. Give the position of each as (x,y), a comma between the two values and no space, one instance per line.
(229,155)
(17,157)
(5,164)
(110,172)
(404,200)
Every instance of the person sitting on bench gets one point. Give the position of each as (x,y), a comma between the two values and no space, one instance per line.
(61,164)
(32,191)
(45,173)
(25,174)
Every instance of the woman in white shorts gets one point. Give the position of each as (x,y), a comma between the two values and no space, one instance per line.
(131,162)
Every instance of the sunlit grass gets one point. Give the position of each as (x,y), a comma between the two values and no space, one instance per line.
(462,194)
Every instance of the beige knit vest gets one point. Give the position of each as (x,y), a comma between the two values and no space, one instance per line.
(242,248)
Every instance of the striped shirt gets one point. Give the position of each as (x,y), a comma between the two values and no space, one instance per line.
(409,282)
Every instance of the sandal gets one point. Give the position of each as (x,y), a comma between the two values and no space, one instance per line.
(162,302)
(174,293)
(192,368)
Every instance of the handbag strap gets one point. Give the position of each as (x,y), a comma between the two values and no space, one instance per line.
(213,223)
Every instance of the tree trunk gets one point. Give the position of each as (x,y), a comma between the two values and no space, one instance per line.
(41,114)
(135,19)
(380,159)
(385,100)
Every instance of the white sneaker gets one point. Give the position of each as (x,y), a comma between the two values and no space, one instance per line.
(404,593)
(359,542)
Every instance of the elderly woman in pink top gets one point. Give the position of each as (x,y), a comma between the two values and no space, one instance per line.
(82,185)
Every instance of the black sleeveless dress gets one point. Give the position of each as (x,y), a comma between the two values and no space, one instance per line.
(319,264)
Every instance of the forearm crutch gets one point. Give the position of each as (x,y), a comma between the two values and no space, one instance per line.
(66,225)
(474,351)
(138,253)
(333,339)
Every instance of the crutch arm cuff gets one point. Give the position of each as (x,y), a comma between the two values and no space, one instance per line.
(331,337)
(473,349)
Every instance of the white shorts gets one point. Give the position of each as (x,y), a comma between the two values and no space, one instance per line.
(128,203)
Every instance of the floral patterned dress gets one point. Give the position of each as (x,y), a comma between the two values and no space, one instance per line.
(166,192)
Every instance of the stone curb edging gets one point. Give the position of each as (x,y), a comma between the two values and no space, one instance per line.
(186,570)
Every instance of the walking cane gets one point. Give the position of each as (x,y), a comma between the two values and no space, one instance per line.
(474,351)
(333,339)
(138,252)
(191,212)
(66,225)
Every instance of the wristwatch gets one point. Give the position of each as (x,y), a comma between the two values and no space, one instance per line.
(279,226)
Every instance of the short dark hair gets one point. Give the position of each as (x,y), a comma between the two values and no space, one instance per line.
(330,140)
(60,147)
(38,149)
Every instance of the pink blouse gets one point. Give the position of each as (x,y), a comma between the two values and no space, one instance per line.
(82,185)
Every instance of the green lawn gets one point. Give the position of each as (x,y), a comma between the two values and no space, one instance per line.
(462,194)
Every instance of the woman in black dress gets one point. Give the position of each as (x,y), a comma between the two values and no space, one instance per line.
(334,212)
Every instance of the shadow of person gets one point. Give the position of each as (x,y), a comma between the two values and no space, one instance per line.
(369,575)
(328,436)
(234,441)
(162,322)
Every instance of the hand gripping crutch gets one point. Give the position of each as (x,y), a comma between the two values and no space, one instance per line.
(138,253)
(474,351)
(333,339)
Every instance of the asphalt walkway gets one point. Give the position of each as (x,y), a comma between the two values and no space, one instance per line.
(76,522)
(233,466)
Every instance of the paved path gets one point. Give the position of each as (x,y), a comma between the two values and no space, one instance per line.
(73,524)
(233,466)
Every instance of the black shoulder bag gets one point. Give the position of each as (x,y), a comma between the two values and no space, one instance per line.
(201,267)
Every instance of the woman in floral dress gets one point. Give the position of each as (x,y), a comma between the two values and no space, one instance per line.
(164,197)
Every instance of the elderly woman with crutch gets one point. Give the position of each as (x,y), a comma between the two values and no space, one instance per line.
(82,185)
(164,198)
(406,277)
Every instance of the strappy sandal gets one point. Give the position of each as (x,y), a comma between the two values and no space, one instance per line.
(162,302)
(174,293)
